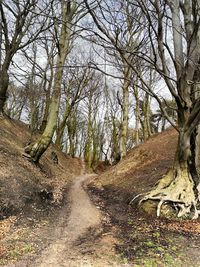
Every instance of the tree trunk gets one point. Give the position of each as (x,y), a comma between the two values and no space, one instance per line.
(146,121)
(71,126)
(197,156)
(4,82)
(34,117)
(61,128)
(37,148)
(46,112)
(89,145)
(115,153)
(125,109)
(148,115)
(137,115)
(59,134)
(47,93)
(179,186)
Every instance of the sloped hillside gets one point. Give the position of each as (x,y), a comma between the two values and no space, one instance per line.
(144,239)
(143,166)
(21,181)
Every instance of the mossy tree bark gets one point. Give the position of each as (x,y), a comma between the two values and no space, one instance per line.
(36,149)
(180,186)
(4,82)
(115,139)
(4,77)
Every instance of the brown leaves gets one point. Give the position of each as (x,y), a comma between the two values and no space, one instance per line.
(187,227)
(5,226)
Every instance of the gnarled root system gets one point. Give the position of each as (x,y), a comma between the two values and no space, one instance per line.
(178,189)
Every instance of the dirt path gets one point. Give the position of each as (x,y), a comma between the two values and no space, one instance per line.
(84,218)
(83,215)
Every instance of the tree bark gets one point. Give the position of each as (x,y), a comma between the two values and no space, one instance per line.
(36,149)
(71,126)
(61,128)
(46,112)
(137,114)
(180,185)
(4,82)
(125,109)
(89,144)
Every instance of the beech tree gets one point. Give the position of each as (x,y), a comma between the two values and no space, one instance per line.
(118,24)
(17,31)
(63,37)
(181,184)
(177,63)
(75,89)
(91,104)
(47,78)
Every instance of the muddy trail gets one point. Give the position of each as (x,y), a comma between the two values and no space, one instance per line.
(77,240)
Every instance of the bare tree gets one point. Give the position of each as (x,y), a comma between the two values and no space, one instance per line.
(180,22)
(17,32)
(91,107)
(75,82)
(63,43)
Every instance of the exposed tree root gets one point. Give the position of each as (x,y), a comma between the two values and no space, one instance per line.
(176,189)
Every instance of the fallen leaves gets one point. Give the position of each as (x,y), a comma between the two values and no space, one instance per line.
(5,226)
(190,227)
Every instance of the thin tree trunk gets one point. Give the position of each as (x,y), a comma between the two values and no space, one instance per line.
(115,144)
(144,123)
(71,126)
(148,115)
(88,146)
(125,109)
(137,115)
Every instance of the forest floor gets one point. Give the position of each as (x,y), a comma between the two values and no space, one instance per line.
(91,222)
(101,233)
(144,239)
(73,237)
(76,236)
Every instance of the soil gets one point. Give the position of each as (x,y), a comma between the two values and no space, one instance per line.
(78,237)
(22,181)
(144,240)
(85,220)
